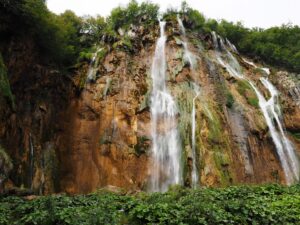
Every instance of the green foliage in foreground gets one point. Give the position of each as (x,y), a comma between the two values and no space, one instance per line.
(271,204)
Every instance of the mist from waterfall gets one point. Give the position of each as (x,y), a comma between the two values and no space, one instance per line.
(166,150)
(270,109)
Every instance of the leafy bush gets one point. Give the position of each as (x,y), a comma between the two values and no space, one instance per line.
(269,204)
(135,14)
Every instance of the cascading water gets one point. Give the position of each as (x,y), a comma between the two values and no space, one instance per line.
(190,59)
(188,56)
(231,46)
(31,159)
(195,174)
(91,75)
(285,150)
(271,112)
(266,70)
(230,62)
(166,151)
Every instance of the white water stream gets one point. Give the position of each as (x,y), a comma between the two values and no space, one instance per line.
(166,150)
(191,60)
(271,111)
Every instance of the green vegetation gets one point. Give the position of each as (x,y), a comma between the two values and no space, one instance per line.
(234,205)
(6,165)
(65,38)
(134,14)
(278,46)
(296,135)
(229,99)
(245,89)
(57,37)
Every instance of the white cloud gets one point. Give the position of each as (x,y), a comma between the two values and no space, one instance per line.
(261,13)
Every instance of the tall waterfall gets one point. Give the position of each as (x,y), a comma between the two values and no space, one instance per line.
(271,111)
(166,151)
(285,150)
(189,57)
(195,174)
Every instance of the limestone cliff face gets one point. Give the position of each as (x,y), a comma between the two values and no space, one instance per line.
(99,136)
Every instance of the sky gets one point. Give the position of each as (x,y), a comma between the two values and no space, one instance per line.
(253,13)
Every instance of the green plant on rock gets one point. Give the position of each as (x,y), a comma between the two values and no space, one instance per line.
(245,89)
(229,99)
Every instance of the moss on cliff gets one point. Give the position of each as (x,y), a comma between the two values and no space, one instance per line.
(245,89)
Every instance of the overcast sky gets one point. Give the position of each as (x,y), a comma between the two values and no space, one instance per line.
(253,13)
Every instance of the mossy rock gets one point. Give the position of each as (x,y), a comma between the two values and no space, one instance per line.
(245,89)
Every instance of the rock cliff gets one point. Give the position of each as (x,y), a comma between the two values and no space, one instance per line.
(70,134)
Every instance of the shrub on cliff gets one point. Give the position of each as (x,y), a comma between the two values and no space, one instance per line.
(134,14)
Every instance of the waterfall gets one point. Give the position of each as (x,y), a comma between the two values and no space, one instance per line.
(31,160)
(166,151)
(231,46)
(195,174)
(189,57)
(91,74)
(266,70)
(230,62)
(272,114)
